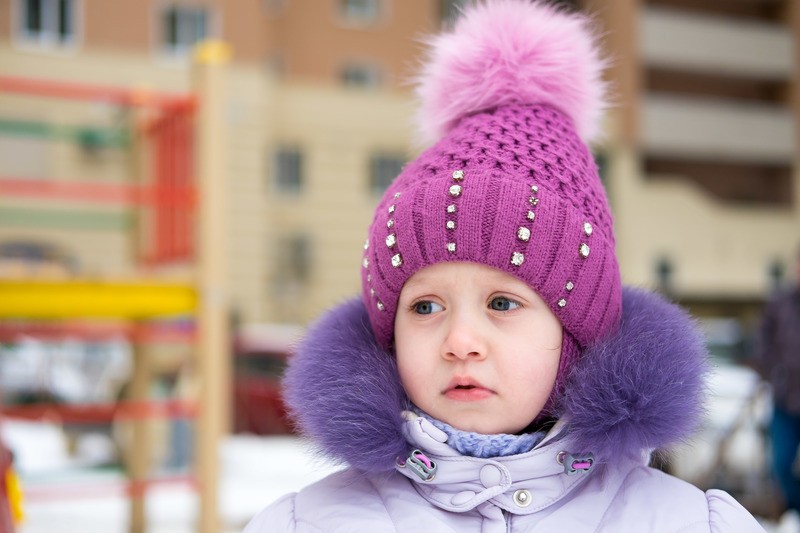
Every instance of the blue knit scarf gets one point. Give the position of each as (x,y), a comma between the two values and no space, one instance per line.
(485,446)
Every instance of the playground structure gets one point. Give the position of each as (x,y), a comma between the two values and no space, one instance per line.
(175,185)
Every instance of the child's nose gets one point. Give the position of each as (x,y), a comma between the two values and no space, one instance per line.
(464,340)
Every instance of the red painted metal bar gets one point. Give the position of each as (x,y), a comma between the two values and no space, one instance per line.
(116,193)
(167,252)
(186,226)
(82,91)
(159,172)
(43,493)
(136,333)
(98,413)
(172,138)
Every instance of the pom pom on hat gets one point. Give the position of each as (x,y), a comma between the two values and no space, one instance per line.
(512,52)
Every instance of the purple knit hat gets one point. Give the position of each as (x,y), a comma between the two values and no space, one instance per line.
(510,98)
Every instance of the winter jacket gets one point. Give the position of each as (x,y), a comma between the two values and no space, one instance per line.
(627,395)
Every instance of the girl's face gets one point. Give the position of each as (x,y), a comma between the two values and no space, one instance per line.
(476,348)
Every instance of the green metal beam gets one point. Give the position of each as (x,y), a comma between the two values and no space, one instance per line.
(66,219)
(86,136)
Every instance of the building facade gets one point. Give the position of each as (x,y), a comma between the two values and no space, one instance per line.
(700,161)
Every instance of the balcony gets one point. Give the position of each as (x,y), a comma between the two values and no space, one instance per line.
(672,38)
(716,129)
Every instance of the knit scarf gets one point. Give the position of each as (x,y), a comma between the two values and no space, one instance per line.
(486,446)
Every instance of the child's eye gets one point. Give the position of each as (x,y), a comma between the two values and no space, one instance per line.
(426,307)
(501,303)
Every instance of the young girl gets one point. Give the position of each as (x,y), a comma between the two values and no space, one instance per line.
(495,375)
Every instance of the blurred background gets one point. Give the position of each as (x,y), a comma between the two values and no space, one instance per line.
(171,218)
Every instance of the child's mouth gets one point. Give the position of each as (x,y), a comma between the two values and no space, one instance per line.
(466,390)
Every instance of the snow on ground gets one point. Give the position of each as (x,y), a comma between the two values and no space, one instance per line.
(254,472)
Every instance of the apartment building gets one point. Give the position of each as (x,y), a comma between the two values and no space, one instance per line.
(700,161)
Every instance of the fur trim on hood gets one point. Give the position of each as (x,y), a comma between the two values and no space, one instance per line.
(636,391)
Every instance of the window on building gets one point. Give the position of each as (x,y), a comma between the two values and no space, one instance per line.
(451,9)
(361,75)
(288,170)
(384,168)
(183,26)
(47,22)
(360,11)
(274,6)
(294,258)
(276,64)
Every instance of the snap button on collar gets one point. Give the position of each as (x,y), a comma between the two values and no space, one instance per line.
(522,498)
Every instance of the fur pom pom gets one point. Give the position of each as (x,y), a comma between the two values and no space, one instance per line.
(511,52)
(643,387)
(344,393)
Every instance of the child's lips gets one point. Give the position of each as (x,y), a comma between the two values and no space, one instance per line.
(466,390)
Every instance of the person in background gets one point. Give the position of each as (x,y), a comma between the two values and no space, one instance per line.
(778,362)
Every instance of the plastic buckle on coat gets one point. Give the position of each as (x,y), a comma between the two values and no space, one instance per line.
(574,464)
(421,465)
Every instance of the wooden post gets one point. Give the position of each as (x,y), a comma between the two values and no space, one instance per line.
(139,446)
(620,21)
(213,345)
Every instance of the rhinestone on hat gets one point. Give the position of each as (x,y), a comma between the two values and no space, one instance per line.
(587,228)
(458,175)
(397,260)
(569,286)
(534,189)
(372,292)
(450,224)
(562,303)
(391,209)
(365,263)
(584,250)
(451,247)
(379,305)
(366,244)
(369,278)
(517,258)
(455,190)
(533,200)
(531,215)
(390,223)
(451,208)
(396,195)
(391,240)
(523,234)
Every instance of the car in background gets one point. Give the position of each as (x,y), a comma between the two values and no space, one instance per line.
(260,355)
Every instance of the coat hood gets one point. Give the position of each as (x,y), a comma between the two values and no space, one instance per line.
(635,391)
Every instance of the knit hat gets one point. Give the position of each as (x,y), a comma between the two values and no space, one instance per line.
(510,97)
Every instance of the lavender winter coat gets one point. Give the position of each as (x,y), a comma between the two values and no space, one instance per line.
(628,395)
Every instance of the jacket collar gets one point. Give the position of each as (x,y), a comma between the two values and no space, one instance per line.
(635,391)
(520,484)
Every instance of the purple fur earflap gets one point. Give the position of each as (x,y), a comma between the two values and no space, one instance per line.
(344,392)
(639,389)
